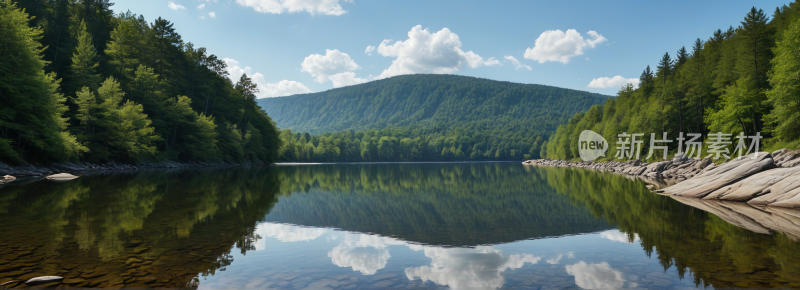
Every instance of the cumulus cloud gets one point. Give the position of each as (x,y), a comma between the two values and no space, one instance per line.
(212,14)
(334,66)
(346,79)
(426,52)
(612,83)
(369,50)
(517,64)
(617,236)
(556,45)
(201,6)
(325,7)
(174,6)
(596,276)
(266,90)
(471,268)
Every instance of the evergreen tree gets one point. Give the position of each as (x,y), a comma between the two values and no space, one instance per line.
(123,49)
(84,65)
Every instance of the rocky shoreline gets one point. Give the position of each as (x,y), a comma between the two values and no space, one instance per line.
(762,180)
(10,174)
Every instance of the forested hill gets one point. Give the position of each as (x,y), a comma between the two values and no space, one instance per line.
(430,101)
(80,83)
(740,79)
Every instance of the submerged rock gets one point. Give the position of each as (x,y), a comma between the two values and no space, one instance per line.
(62,177)
(43,279)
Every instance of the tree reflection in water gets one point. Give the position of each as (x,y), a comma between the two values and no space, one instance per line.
(172,228)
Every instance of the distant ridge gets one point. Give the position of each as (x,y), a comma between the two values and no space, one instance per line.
(431,101)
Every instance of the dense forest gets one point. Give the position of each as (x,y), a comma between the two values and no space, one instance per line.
(424,118)
(78,82)
(742,79)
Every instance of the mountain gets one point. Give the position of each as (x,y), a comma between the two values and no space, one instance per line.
(430,101)
(424,118)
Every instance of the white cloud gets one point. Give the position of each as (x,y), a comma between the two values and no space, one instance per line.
(364,253)
(555,45)
(266,90)
(553,261)
(346,79)
(596,276)
(334,66)
(617,236)
(614,82)
(212,14)
(517,64)
(201,6)
(286,233)
(174,6)
(369,50)
(326,7)
(202,17)
(426,52)
(468,268)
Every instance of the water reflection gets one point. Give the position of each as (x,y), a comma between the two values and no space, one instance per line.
(597,276)
(458,226)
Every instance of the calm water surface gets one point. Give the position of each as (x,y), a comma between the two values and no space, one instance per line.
(408,226)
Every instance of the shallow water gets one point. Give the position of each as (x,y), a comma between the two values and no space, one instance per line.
(348,226)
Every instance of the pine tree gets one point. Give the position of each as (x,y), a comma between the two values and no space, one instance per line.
(682,57)
(123,49)
(755,45)
(84,65)
(646,81)
(664,71)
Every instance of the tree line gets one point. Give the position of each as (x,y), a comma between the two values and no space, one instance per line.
(81,83)
(742,79)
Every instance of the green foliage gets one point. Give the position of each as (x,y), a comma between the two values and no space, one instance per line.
(84,63)
(31,118)
(785,80)
(166,100)
(738,80)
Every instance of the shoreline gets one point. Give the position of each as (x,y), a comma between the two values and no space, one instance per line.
(759,179)
(10,174)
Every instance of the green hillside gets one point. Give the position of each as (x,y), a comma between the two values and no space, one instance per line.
(742,79)
(424,117)
(431,101)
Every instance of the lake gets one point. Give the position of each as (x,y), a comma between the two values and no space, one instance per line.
(399,225)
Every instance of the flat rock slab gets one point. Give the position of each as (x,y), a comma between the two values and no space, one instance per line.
(755,185)
(782,190)
(723,175)
(62,177)
(43,279)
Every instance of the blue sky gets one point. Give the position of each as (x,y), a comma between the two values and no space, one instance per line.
(295,46)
